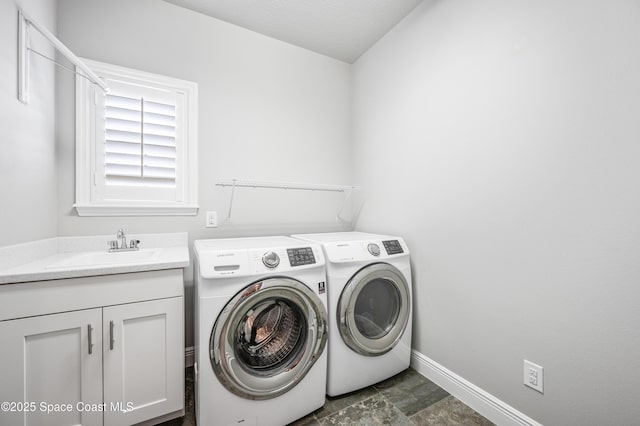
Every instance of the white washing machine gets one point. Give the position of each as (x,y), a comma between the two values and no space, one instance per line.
(370,298)
(260,330)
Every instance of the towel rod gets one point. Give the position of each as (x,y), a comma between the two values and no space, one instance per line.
(253,183)
(272,184)
(24,23)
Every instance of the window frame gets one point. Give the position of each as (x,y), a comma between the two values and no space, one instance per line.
(89,201)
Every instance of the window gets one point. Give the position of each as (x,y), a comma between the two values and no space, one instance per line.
(136,146)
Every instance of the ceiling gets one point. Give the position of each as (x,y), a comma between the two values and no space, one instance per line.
(342,29)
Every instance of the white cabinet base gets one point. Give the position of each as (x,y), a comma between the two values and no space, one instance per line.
(93,351)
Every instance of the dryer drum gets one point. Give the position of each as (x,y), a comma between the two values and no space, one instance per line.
(270,334)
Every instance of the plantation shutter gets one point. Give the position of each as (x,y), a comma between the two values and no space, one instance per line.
(140,140)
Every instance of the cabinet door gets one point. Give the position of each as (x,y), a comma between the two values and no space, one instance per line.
(143,360)
(48,363)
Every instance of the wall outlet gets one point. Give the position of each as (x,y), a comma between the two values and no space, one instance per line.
(211,220)
(533,376)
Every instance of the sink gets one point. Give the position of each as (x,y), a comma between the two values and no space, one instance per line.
(97,258)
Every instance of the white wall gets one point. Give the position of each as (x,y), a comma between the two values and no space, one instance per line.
(267,110)
(501,139)
(28,159)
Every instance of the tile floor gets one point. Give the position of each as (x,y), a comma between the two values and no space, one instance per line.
(405,399)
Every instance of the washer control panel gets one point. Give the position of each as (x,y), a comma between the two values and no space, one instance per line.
(392,247)
(301,256)
(271,259)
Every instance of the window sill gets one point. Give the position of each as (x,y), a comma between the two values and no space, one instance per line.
(121,210)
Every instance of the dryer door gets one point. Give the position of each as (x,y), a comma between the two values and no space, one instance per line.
(268,337)
(374,309)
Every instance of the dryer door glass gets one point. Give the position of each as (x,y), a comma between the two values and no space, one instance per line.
(267,338)
(374,309)
(377,308)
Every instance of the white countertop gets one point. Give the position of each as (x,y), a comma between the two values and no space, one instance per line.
(72,257)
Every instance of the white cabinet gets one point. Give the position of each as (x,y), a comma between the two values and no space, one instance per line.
(118,362)
(45,365)
(143,343)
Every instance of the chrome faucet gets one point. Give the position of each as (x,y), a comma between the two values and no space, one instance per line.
(122,238)
(113,244)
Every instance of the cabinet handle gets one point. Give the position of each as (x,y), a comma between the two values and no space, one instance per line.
(111,335)
(90,332)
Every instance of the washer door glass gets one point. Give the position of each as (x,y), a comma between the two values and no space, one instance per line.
(267,338)
(374,309)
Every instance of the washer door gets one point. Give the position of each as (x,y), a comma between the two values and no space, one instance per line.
(268,337)
(373,309)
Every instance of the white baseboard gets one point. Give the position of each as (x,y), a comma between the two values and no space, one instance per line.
(189,356)
(483,402)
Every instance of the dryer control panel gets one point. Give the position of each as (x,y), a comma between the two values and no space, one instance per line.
(392,247)
(369,250)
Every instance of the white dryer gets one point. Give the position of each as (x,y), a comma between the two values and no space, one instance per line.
(260,330)
(370,298)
